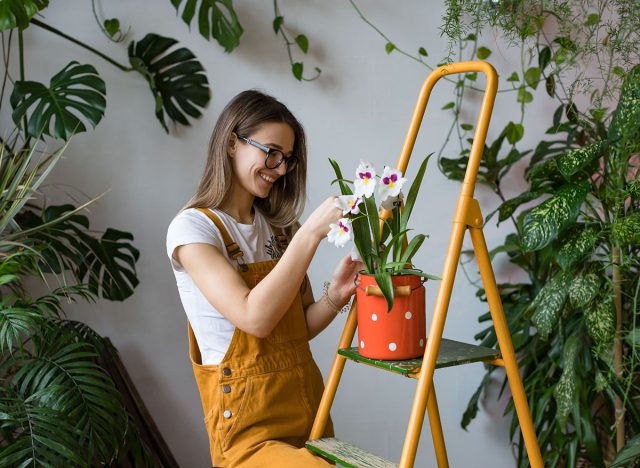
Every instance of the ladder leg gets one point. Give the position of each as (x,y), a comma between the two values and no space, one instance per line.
(506,347)
(436,429)
(331,386)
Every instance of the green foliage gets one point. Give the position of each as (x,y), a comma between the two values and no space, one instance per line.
(75,89)
(58,405)
(543,223)
(548,304)
(176,78)
(217,19)
(576,224)
(18,13)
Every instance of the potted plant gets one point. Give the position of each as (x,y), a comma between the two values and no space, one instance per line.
(390,294)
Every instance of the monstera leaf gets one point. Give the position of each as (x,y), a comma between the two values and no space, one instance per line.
(106,264)
(216,18)
(177,80)
(77,89)
(17,13)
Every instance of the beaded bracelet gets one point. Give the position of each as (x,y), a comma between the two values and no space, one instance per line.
(329,301)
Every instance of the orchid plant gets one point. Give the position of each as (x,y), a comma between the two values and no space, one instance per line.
(361,222)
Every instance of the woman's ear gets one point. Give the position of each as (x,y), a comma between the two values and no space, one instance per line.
(232,144)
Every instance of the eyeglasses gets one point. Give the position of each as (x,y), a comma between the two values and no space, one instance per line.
(274,157)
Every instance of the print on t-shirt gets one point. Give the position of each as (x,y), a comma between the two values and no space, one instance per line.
(272,248)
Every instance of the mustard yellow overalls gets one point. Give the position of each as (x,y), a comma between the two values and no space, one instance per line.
(260,401)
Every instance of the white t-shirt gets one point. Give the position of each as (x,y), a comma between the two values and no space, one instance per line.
(257,242)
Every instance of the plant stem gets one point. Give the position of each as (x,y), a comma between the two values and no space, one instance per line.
(617,344)
(84,46)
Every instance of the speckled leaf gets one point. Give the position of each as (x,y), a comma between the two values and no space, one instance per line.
(542,224)
(625,122)
(601,323)
(548,303)
(583,289)
(580,243)
(575,160)
(626,231)
(565,390)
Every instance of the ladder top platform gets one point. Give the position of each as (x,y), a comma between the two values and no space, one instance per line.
(452,353)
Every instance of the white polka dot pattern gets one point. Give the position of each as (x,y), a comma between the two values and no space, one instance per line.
(392,346)
(407,315)
(374,317)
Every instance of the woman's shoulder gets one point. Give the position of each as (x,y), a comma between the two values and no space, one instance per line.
(190,223)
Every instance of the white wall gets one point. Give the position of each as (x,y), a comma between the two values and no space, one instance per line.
(359,108)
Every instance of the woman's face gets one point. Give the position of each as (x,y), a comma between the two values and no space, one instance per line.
(248,162)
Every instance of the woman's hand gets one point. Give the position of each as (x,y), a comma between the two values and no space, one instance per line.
(325,214)
(343,280)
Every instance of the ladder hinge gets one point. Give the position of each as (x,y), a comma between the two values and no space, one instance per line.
(468,212)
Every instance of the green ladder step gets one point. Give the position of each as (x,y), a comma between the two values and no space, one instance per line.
(347,455)
(452,353)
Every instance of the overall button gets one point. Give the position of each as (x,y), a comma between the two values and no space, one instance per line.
(226,389)
(226,371)
(227,414)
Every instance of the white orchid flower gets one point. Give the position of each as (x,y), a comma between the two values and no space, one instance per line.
(348,204)
(365,181)
(340,233)
(391,183)
(390,203)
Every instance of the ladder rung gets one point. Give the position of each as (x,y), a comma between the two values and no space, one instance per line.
(348,455)
(452,353)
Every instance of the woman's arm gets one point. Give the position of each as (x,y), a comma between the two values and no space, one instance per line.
(257,311)
(320,314)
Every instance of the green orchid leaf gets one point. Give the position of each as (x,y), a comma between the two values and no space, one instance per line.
(344,188)
(542,224)
(578,244)
(217,19)
(548,303)
(395,241)
(601,323)
(386,286)
(412,248)
(583,289)
(106,264)
(18,13)
(409,271)
(577,159)
(361,237)
(564,391)
(76,91)
(413,193)
(374,220)
(626,231)
(177,80)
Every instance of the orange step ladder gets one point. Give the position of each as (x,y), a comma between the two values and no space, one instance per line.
(439,352)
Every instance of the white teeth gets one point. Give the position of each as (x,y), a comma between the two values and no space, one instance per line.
(267,178)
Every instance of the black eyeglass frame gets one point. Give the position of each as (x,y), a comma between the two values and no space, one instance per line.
(291,161)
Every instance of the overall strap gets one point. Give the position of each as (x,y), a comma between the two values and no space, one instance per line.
(233,249)
(283,240)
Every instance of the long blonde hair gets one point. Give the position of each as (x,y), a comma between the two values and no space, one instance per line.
(244,114)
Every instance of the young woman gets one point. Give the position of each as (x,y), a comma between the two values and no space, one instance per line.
(240,259)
